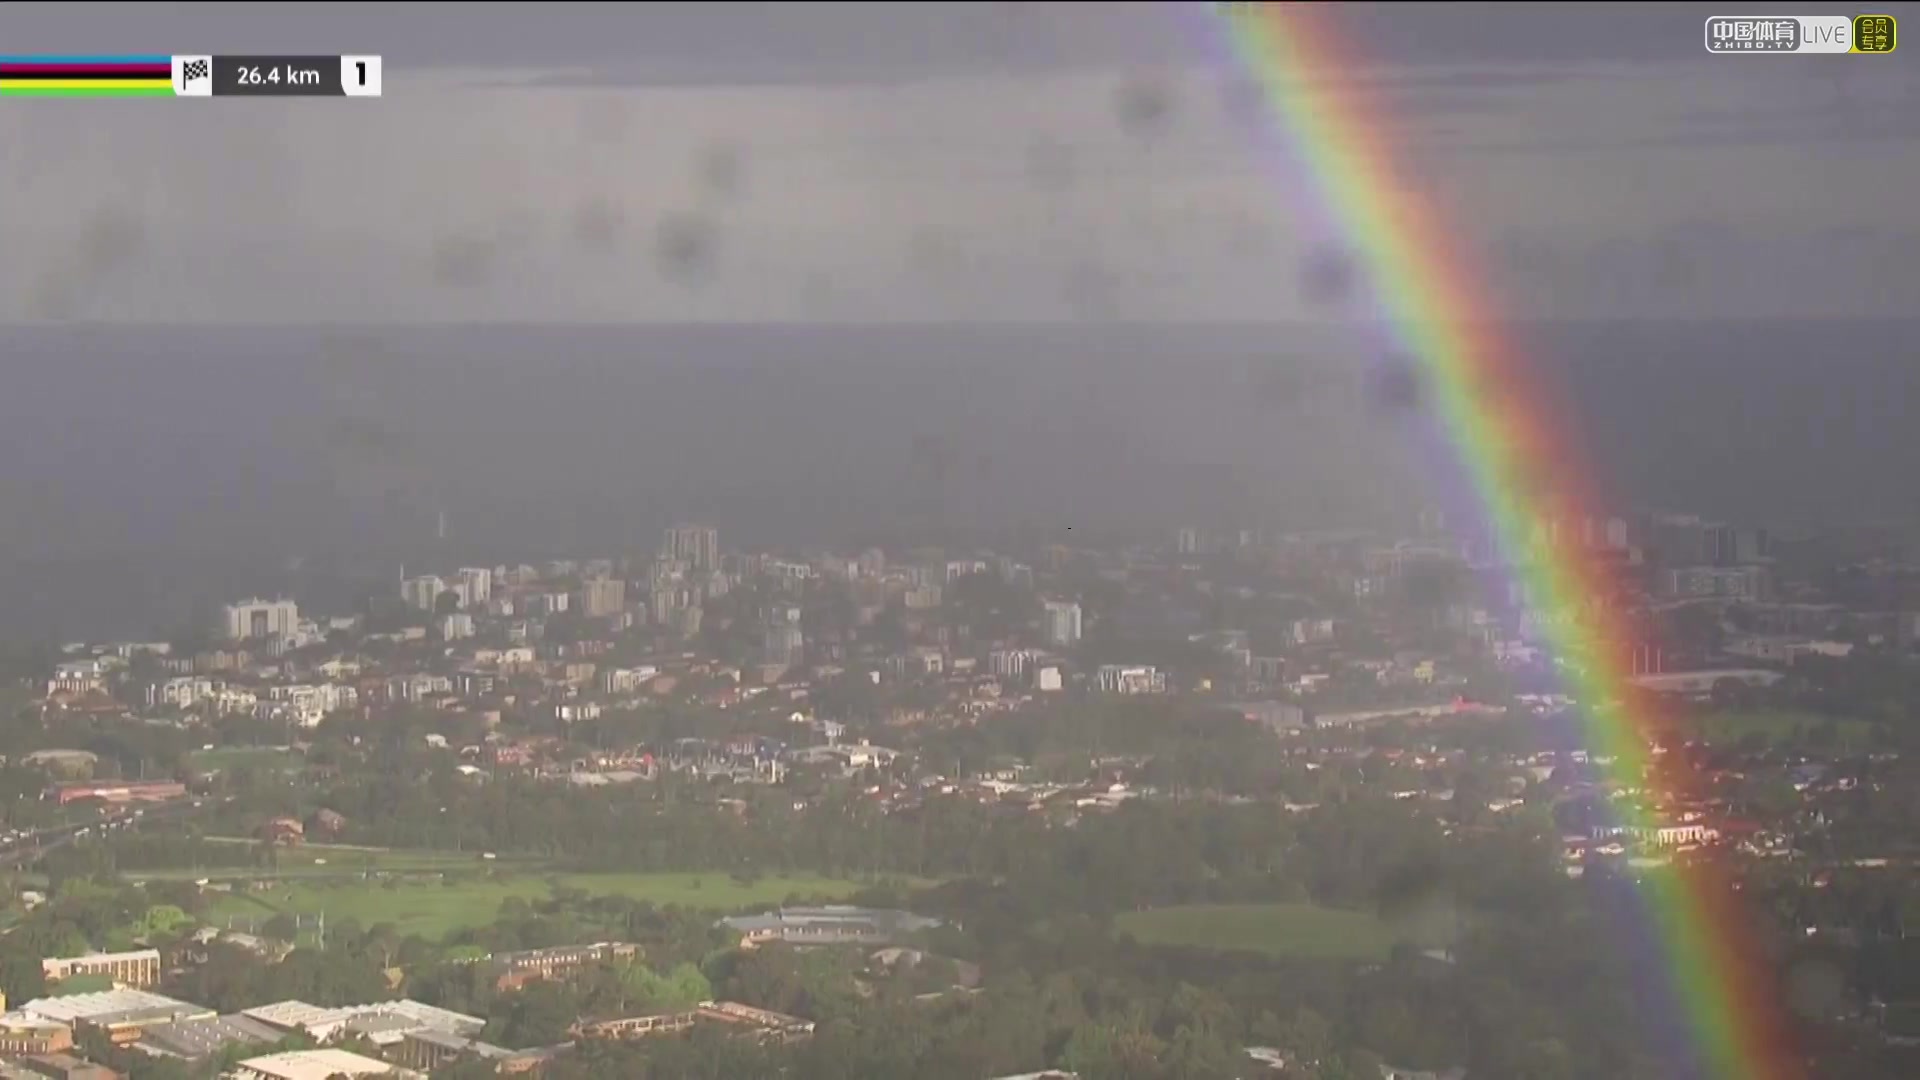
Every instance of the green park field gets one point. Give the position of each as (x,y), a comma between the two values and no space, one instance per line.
(433,909)
(227,758)
(1279,930)
(333,861)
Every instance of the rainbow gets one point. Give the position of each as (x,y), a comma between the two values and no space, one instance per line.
(1501,425)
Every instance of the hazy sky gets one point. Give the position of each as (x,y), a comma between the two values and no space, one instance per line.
(753,163)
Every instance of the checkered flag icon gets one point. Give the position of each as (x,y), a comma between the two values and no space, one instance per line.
(193,69)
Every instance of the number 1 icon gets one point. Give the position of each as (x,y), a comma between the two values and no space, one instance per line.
(360,76)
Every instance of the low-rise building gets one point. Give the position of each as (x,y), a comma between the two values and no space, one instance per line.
(834,924)
(181,692)
(121,1015)
(1279,717)
(765,1023)
(197,1040)
(65,1067)
(383,1022)
(1730,582)
(516,969)
(638,1027)
(33,1035)
(1131,679)
(626,680)
(532,1060)
(117,791)
(429,1050)
(283,830)
(140,967)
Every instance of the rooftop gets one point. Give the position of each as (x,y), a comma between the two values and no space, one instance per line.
(294,1014)
(374,1019)
(311,1065)
(106,1003)
(462,1044)
(194,1039)
(383,1028)
(107,957)
(37,1065)
(831,917)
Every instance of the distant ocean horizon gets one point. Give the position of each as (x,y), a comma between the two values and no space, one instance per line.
(148,472)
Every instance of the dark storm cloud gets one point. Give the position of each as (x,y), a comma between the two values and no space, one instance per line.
(856,118)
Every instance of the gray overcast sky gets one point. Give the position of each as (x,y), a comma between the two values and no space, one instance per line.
(990,162)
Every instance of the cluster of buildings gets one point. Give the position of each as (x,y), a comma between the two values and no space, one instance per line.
(479,641)
(1325,613)
(45,1030)
(407,1038)
(1292,632)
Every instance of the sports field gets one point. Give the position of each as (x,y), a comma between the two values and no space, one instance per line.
(226,758)
(341,861)
(432,909)
(1281,930)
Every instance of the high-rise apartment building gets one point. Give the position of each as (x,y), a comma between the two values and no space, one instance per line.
(255,618)
(1009,663)
(1063,623)
(603,597)
(475,586)
(783,643)
(422,592)
(698,546)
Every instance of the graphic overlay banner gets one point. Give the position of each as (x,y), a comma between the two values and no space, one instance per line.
(1780,35)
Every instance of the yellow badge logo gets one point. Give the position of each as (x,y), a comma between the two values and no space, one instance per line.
(1874,34)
